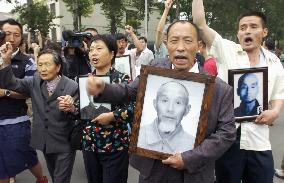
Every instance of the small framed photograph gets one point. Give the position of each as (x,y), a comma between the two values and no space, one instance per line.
(88,108)
(123,64)
(250,92)
(171,112)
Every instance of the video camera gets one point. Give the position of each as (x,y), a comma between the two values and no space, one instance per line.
(75,39)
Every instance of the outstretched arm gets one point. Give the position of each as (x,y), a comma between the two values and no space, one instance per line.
(198,13)
(161,25)
(129,29)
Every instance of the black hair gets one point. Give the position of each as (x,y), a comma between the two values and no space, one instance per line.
(259,14)
(184,22)
(120,36)
(11,22)
(56,58)
(143,38)
(110,42)
(270,44)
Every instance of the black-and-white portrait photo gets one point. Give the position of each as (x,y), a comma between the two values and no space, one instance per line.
(122,64)
(170,115)
(88,109)
(248,94)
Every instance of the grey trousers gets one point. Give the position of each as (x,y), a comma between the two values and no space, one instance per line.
(60,166)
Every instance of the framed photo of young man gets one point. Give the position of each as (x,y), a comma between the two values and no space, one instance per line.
(250,92)
(171,112)
(123,64)
(88,108)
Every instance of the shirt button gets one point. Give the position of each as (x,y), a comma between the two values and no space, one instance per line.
(46,127)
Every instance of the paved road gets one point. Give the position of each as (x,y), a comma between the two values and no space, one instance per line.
(79,176)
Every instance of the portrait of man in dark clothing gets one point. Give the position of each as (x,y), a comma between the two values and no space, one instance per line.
(248,90)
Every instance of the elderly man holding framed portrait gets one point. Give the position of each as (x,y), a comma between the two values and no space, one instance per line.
(196,165)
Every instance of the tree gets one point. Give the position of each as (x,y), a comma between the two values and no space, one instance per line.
(79,8)
(114,12)
(43,19)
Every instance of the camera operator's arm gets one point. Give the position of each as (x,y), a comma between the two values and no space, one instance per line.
(129,29)
(12,94)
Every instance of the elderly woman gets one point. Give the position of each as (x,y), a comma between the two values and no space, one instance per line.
(106,137)
(52,101)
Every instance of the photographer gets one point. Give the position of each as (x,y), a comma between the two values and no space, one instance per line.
(76,53)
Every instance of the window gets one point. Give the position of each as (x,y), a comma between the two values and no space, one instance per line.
(52,8)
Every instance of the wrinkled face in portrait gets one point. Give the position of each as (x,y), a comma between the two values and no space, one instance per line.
(182,45)
(47,68)
(121,44)
(171,105)
(13,35)
(248,89)
(251,32)
(100,56)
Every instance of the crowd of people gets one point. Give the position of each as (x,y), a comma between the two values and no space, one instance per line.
(48,74)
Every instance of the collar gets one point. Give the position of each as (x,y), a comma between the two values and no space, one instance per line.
(15,53)
(266,53)
(193,69)
(156,138)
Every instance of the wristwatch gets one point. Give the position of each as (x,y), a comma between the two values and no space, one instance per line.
(7,93)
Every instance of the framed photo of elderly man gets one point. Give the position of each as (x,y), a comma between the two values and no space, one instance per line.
(171,112)
(123,64)
(250,92)
(88,108)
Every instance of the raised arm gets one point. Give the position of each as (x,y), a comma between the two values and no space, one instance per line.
(135,39)
(39,37)
(198,13)
(162,22)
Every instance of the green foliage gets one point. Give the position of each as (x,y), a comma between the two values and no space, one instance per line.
(114,12)
(35,16)
(82,7)
(222,14)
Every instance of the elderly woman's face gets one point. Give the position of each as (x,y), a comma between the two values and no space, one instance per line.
(100,56)
(46,67)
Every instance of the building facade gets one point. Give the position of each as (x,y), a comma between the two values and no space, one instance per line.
(96,20)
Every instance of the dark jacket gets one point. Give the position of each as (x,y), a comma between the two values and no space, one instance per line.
(51,127)
(220,132)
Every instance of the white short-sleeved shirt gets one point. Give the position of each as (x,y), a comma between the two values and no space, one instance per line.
(230,55)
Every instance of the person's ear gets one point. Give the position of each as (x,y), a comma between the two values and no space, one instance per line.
(238,91)
(112,55)
(187,109)
(155,104)
(200,45)
(58,69)
(265,32)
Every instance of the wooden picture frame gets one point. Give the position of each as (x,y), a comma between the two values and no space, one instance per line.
(123,65)
(197,92)
(88,109)
(250,92)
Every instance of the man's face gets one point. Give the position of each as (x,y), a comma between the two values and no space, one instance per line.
(46,67)
(171,106)
(182,45)
(13,35)
(251,33)
(121,44)
(100,56)
(94,33)
(144,44)
(249,89)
